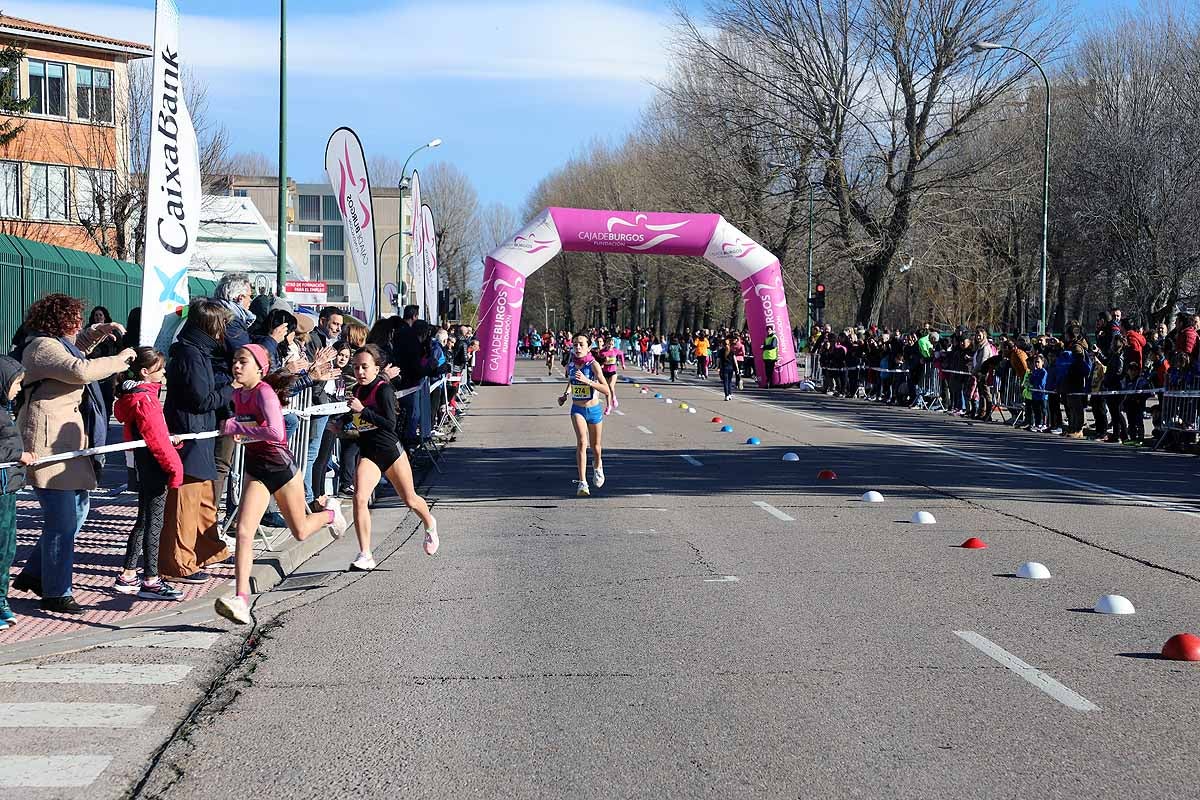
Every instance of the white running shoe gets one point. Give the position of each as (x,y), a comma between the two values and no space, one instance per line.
(364,563)
(582,490)
(598,476)
(234,609)
(339,524)
(431,539)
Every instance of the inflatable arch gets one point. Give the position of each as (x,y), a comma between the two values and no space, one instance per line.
(585,230)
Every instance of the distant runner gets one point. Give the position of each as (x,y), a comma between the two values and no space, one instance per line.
(587,413)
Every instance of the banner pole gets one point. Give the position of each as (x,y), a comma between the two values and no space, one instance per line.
(281,227)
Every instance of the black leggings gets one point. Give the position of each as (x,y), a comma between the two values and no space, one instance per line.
(147,530)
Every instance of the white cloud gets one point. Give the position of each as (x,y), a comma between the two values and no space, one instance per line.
(583,40)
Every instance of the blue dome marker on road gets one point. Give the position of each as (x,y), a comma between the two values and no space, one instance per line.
(790,457)
(753,440)
(657,396)
(726,429)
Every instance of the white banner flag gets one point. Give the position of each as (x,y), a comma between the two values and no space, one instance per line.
(172,184)
(346,167)
(416,265)
(430,264)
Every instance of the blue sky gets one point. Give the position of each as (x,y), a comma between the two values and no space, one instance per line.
(514,87)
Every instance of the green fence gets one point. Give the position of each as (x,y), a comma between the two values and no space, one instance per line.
(31,270)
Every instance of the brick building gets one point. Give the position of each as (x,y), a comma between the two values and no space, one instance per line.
(57,175)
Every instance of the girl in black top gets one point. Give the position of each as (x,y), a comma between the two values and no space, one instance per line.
(373,406)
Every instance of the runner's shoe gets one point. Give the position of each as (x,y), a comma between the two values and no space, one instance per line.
(598,476)
(123,586)
(431,539)
(364,563)
(338,523)
(582,490)
(234,608)
(159,591)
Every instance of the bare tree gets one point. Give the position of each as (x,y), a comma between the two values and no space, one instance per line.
(455,204)
(251,164)
(384,171)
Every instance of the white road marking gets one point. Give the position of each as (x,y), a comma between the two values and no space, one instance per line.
(36,772)
(145,674)
(1033,675)
(73,715)
(195,640)
(640,531)
(1141,499)
(722,579)
(618,412)
(695,462)
(773,511)
(644,429)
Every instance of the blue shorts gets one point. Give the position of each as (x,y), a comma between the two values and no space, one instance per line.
(592,415)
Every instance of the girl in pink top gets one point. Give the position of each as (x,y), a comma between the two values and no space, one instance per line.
(270,470)
(609,357)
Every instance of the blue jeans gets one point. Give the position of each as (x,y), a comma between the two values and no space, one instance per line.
(53,558)
(315,432)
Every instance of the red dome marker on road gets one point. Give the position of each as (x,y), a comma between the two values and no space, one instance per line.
(1182,647)
(827,475)
(974,543)
(717,420)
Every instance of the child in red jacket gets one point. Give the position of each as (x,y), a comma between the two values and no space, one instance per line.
(158,466)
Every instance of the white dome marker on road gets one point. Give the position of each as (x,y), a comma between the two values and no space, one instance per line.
(1114,604)
(1033,569)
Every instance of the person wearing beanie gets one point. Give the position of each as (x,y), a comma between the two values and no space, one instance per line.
(12,478)
(270,470)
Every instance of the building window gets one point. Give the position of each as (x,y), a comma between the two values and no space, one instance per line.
(329,208)
(333,268)
(47,192)
(312,246)
(10,189)
(48,88)
(93,94)
(337,292)
(333,238)
(94,195)
(240,193)
(103,98)
(314,268)
(310,206)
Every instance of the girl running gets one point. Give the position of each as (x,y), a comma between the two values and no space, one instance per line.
(609,357)
(587,415)
(158,469)
(269,469)
(373,405)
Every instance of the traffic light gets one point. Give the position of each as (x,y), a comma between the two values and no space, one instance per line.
(819,296)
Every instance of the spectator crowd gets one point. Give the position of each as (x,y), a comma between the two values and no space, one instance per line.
(67,374)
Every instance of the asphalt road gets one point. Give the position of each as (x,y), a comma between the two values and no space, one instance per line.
(728,625)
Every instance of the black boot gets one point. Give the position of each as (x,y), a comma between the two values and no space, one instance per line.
(28,582)
(61,605)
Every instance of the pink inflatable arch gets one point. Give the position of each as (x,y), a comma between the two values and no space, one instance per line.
(577,229)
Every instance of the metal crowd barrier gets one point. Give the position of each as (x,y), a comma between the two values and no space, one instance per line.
(1179,412)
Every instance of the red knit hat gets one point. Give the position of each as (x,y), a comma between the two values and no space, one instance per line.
(260,356)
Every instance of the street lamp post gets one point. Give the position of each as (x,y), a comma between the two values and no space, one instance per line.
(400,212)
(981,47)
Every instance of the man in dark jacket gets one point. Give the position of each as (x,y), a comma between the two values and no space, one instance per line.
(11,478)
(195,393)
(408,349)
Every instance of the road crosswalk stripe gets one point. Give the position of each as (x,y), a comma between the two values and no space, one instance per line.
(695,462)
(773,511)
(73,715)
(145,674)
(644,429)
(37,772)
(195,640)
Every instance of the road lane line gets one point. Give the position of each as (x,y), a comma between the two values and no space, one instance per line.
(73,715)
(644,429)
(1140,499)
(773,511)
(1028,673)
(143,674)
(695,462)
(39,772)
(722,579)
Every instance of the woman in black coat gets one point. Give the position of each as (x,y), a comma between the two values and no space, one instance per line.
(195,392)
